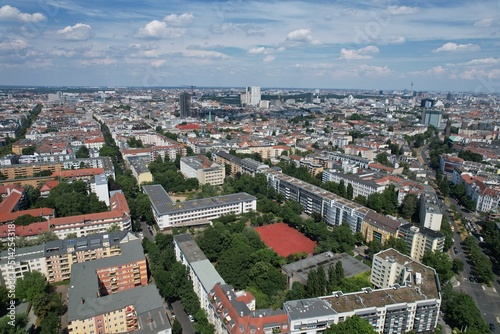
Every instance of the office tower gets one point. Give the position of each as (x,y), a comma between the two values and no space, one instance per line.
(432,117)
(185,105)
(255,96)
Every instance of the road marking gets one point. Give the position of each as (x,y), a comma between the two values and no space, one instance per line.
(494,290)
(482,286)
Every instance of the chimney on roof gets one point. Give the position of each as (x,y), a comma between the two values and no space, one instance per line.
(82,300)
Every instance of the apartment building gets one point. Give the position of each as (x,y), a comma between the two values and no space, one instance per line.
(376,226)
(334,209)
(234,312)
(407,298)
(20,171)
(238,165)
(55,258)
(227,310)
(168,213)
(202,169)
(350,159)
(430,213)
(99,186)
(202,272)
(139,167)
(420,240)
(26,259)
(111,295)
(82,225)
(362,184)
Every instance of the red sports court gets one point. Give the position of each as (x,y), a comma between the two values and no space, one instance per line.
(285,240)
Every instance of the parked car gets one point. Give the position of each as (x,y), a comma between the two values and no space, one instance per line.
(455,250)
(492,327)
(191,318)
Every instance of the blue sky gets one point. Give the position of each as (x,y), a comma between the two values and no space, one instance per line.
(437,45)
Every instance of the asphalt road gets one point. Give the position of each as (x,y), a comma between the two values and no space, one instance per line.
(148,231)
(487,299)
(182,318)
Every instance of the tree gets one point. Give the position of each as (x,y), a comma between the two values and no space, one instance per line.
(29,150)
(82,152)
(383,159)
(20,324)
(441,262)
(396,243)
(350,192)
(176,327)
(31,286)
(26,220)
(461,312)
(408,206)
(352,325)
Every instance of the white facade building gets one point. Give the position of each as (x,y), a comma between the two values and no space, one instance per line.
(170,214)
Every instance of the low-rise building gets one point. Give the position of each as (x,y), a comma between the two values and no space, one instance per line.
(169,214)
(202,169)
(298,271)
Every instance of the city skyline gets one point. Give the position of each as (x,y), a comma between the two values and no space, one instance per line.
(443,46)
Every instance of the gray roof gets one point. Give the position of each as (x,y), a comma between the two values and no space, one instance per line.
(307,309)
(23,254)
(94,241)
(164,205)
(140,164)
(101,179)
(423,230)
(84,283)
(302,268)
(207,274)
(190,249)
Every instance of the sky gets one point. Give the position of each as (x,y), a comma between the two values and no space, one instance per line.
(439,45)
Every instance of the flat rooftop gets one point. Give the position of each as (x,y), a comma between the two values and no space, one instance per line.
(164,205)
(302,268)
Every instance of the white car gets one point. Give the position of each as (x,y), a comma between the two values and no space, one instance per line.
(191,318)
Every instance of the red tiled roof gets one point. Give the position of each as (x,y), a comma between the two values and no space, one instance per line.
(190,126)
(11,216)
(79,172)
(25,231)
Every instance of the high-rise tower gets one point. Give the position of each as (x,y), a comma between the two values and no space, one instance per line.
(185,105)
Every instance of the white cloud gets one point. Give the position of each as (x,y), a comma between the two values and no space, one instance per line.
(484,61)
(402,10)
(454,47)
(78,32)
(13,45)
(226,28)
(363,53)
(159,29)
(204,54)
(158,62)
(257,50)
(376,71)
(264,50)
(12,13)
(269,58)
(97,61)
(179,20)
(436,70)
(63,53)
(303,36)
(396,40)
(486,22)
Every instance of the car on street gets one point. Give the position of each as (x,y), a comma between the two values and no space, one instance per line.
(492,327)
(455,250)
(191,318)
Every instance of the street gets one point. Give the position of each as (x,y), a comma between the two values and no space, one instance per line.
(182,318)
(486,298)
